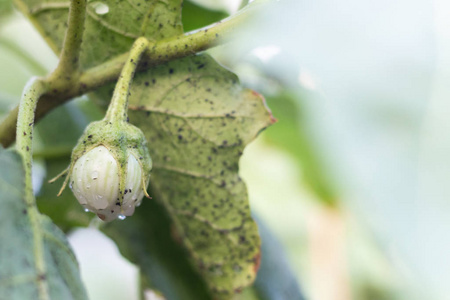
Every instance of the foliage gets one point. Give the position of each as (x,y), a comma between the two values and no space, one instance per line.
(29,240)
(196,238)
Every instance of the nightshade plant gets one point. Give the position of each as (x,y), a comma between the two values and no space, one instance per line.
(196,238)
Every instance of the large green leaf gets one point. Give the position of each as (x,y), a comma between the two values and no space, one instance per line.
(20,234)
(197,120)
(107,34)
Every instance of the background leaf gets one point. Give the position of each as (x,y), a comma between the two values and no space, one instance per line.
(111,26)
(6,8)
(18,276)
(229,6)
(195,16)
(275,280)
(65,211)
(20,68)
(291,135)
(197,120)
(147,240)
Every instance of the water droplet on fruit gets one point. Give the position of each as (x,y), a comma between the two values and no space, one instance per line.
(94,175)
(121,217)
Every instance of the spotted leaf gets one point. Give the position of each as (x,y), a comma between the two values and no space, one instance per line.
(197,120)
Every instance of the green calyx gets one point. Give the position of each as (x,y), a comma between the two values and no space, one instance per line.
(121,139)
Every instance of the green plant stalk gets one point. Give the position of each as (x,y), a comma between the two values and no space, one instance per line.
(157,53)
(117,110)
(66,72)
(69,62)
(32,92)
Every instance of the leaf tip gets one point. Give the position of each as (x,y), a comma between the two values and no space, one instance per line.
(272,119)
(257,261)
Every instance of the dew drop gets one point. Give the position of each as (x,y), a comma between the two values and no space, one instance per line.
(94,175)
(86,210)
(71,185)
(102,9)
(121,217)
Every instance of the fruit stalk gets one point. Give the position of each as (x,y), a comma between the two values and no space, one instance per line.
(117,110)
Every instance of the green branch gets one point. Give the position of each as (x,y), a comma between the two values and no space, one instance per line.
(32,92)
(69,62)
(66,72)
(157,53)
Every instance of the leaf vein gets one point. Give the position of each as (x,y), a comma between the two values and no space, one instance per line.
(164,111)
(49,6)
(198,217)
(110,27)
(192,174)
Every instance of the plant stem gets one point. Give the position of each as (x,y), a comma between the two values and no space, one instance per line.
(69,62)
(117,110)
(32,92)
(157,53)
(24,131)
